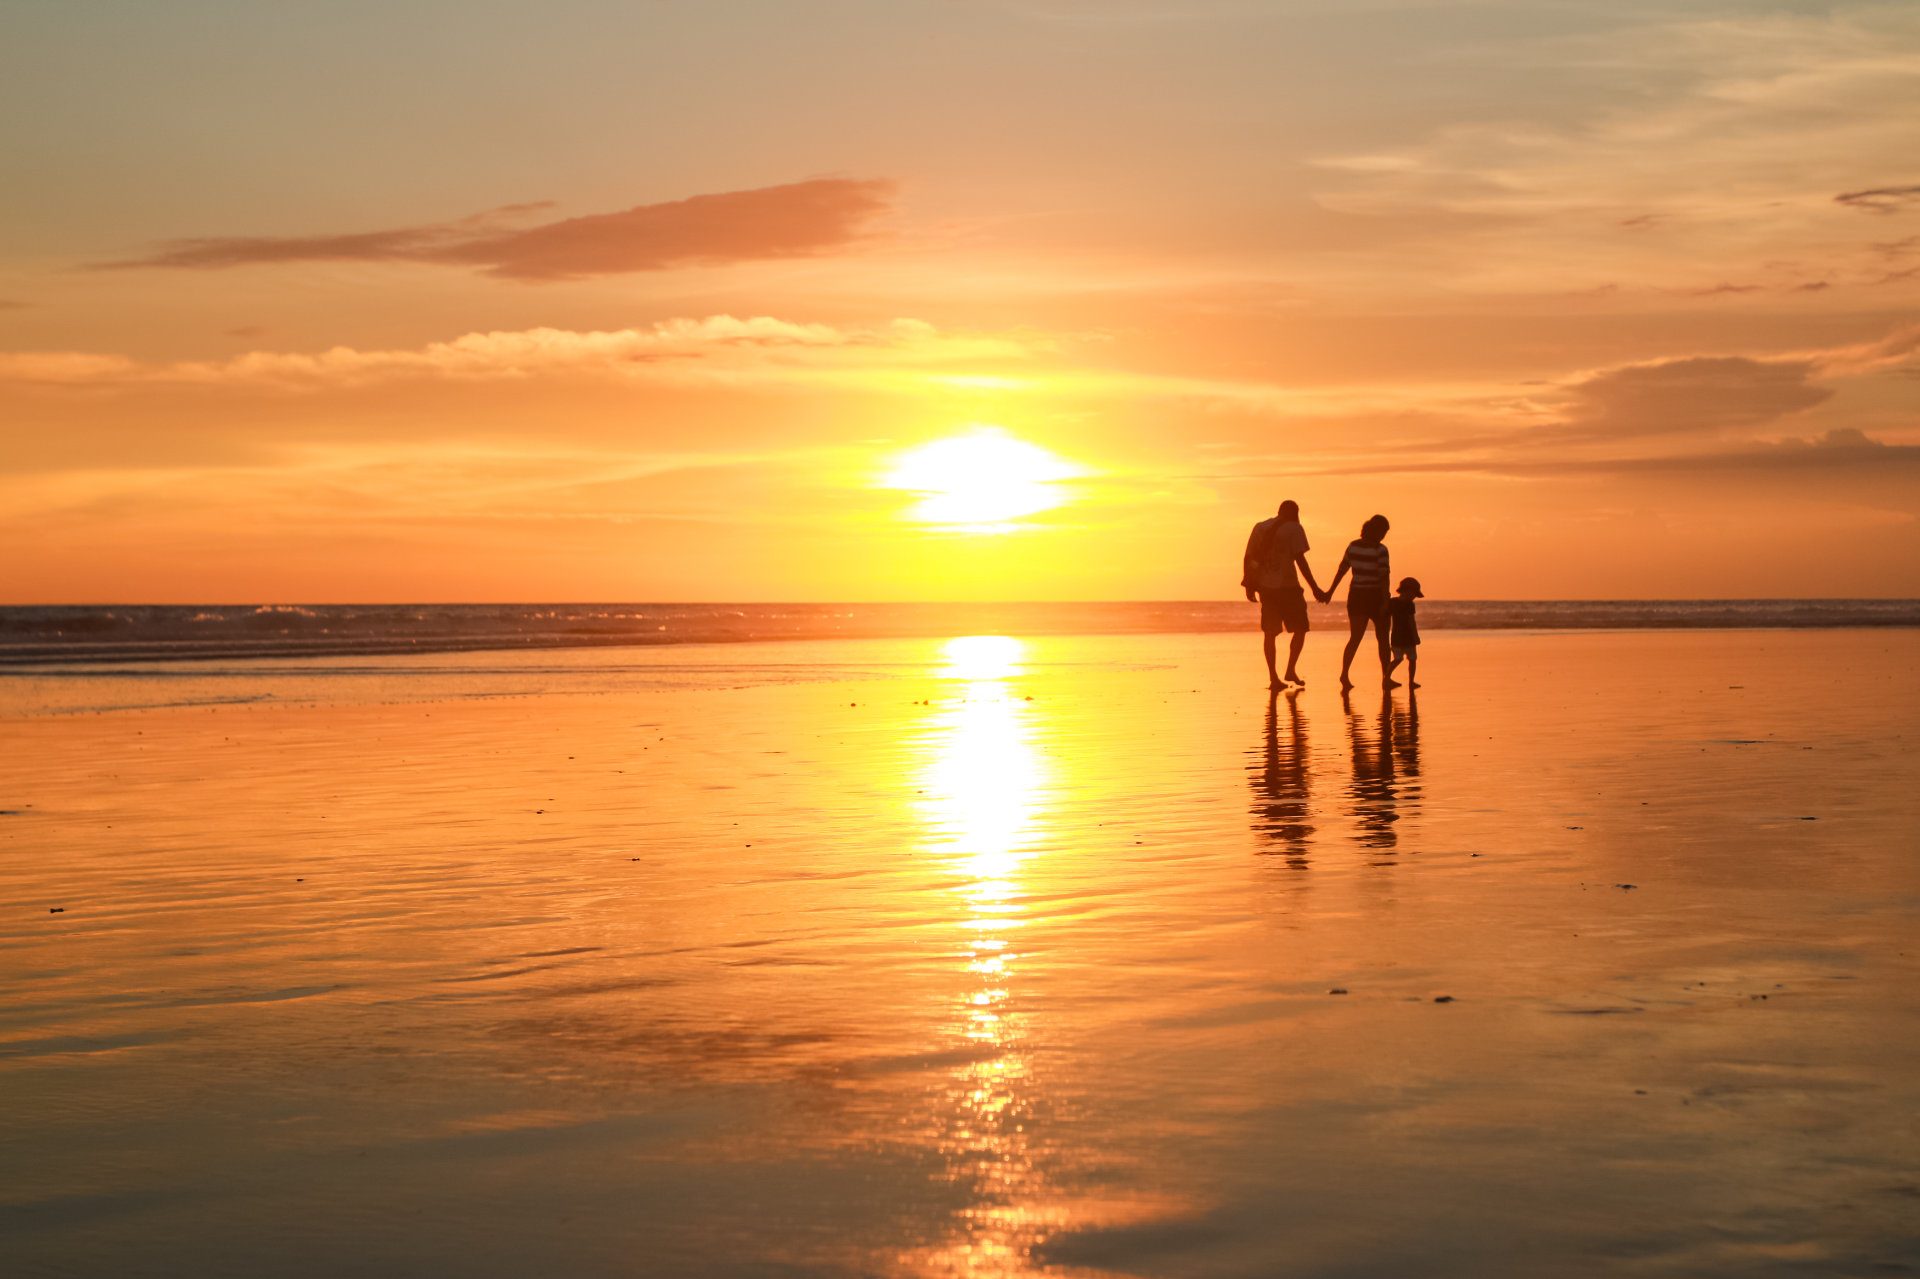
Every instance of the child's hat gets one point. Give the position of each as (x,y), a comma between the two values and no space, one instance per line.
(1411,586)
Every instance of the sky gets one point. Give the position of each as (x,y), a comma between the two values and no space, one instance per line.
(423,300)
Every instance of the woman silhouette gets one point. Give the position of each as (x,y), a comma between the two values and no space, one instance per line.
(1366,558)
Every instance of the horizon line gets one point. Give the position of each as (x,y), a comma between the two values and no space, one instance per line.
(282,602)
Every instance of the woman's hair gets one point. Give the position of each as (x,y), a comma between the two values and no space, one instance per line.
(1375,528)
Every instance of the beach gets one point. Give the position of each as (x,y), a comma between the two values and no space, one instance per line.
(951,955)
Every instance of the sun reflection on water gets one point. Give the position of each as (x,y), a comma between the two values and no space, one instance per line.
(986,784)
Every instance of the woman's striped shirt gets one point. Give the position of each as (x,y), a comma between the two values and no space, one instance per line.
(1368,563)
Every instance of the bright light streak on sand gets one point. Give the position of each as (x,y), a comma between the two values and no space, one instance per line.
(986,784)
(981,482)
(985,774)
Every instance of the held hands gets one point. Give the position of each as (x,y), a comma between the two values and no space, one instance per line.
(1325,597)
(1252,597)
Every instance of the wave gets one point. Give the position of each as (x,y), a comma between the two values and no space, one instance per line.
(165,632)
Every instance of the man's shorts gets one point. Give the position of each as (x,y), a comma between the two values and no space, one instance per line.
(1283,610)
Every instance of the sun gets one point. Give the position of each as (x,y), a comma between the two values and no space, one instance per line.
(982,481)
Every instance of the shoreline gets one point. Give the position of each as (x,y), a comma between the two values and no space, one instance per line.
(38,653)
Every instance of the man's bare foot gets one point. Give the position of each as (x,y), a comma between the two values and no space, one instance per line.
(1292,678)
(1346,685)
(1415,684)
(1390,683)
(1275,684)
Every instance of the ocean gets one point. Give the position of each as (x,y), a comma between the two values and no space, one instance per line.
(167,632)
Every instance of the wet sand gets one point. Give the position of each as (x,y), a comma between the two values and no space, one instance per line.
(997,957)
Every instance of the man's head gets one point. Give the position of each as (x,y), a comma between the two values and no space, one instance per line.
(1290,511)
(1375,529)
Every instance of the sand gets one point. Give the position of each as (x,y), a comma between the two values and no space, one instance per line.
(992,958)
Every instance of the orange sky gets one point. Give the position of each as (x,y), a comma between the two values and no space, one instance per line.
(608,301)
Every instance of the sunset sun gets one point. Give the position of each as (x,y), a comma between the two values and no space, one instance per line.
(981,481)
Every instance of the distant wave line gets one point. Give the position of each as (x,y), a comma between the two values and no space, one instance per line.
(43,635)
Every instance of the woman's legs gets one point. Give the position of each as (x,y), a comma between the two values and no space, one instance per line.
(1356,631)
(1362,610)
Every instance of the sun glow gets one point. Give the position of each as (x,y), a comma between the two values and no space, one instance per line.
(982,481)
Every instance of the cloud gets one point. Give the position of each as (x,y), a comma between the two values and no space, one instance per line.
(799,219)
(1718,140)
(720,346)
(1688,412)
(1844,449)
(1687,119)
(1691,394)
(1895,352)
(1880,199)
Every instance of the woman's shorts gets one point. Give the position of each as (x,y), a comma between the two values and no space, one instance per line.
(1367,606)
(1283,610)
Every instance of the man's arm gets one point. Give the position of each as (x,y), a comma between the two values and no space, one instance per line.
(1306,572)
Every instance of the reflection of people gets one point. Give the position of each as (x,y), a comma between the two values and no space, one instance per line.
(1279,776)
(1366,558)
(1373,797)
(1275,550)
(1386,768)
(1406,749)
(1406,629)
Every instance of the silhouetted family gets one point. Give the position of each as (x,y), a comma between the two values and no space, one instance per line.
(1276,560)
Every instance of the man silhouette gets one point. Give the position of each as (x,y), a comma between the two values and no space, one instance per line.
(1275,549)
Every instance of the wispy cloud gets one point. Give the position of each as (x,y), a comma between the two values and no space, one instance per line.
(799,219)
(1899,349)
(1880,199)
(1837,452)
(1737,111)
(1845,448)
(723,345)
(1682,151)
